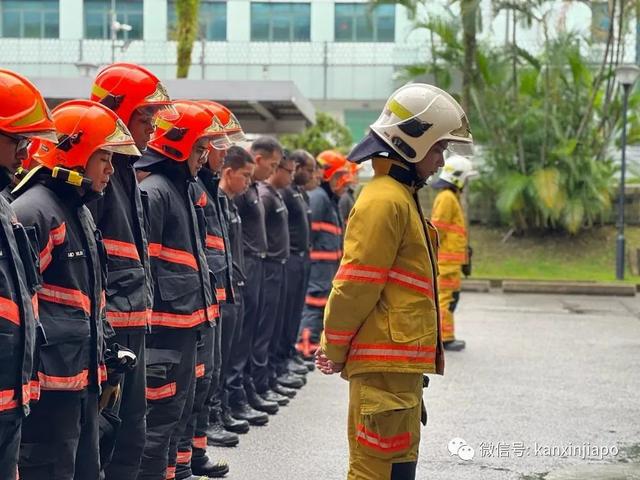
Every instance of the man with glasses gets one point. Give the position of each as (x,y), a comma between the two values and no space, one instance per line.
(23,116)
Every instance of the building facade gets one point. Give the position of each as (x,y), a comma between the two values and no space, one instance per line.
(344,56)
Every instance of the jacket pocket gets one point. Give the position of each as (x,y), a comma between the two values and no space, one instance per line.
(388,422)
(66,350)
(125,289)
(174,286)
(411,324)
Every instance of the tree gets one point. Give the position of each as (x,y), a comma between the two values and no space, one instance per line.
(186,32)
(326,134)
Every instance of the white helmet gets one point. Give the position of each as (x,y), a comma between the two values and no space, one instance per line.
(457,170)
(417,116)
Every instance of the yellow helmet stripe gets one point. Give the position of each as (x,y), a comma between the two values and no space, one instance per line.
(163,124)
(98,91)
(34,116)
(399,110)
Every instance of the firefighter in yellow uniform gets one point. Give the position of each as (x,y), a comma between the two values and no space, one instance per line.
(381,322)
(454,259)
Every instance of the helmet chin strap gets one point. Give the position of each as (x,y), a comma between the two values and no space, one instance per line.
(407,174)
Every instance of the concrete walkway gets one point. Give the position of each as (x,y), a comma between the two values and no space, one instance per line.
(548,388)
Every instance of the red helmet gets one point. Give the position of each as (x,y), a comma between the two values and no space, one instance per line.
(175,135)
(125,87)
(83,128)
(23,111)
(228,120)
(332,162)
(222,141)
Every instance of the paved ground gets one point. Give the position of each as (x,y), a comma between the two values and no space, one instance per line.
(543,379)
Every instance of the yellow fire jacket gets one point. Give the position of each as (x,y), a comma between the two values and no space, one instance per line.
(448,217)
(382,314)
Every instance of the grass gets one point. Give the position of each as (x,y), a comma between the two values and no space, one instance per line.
(589,256)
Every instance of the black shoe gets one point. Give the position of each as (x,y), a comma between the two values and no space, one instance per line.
(219,437)
(287,392)
(311,365)
(209,469)
(232,424)
(245,412)
(290,380)
(455,345)
(258,403)
(296,368)
(271,396)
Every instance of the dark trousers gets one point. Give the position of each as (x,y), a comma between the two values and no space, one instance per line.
(9,447)
(320,278)
(278,358)
(132,409)
(269,322)
(240,364)
(297,273)
(60,438)
(233,317)
(171,363)
(204,372)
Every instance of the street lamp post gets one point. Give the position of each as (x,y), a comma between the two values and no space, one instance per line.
(116,27)
(626,76)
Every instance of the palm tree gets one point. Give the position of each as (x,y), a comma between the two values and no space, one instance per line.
(186,32)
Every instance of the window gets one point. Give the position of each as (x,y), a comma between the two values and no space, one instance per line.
(358,22)
(30,18)
(280,22)
(212,19)
(97,18)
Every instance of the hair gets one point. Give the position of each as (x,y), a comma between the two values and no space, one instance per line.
(236,158)
(268,145)
(301,157)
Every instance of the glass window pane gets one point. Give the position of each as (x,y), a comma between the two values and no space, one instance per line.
(260,16)
(94,25)
(31,24)
(343,22)
(385,23)
(302,22)
(218,25)
(51,24)
(11,24)
(135,20)
(364,26)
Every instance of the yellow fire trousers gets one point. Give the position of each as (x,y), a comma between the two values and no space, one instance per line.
(384,425)
(449,282)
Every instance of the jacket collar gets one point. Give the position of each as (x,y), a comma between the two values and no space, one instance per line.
(400,171)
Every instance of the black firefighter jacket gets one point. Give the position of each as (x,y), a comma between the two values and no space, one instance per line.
(182,294)
(71,299)
(18,282)
(119,215)
(204,193)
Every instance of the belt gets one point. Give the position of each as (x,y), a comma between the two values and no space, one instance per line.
(302,253)
(279,261)
(261,255)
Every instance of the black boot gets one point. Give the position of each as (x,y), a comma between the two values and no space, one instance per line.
(258,403)
(280,390)
(217,435)
(232,424)
(290,380)
(295,367)
(209,468)
(455,345)
(245,412)
(271,396)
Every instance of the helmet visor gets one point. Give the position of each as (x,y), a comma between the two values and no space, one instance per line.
(237,137)
(48,135)
(168,110)
(221,142)
(464,149)
(122,149)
